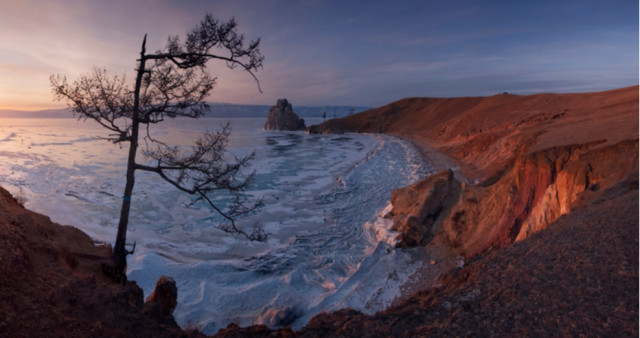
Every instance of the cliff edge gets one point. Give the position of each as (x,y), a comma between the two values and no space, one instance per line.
(52,284)
(521,161)
(538,192)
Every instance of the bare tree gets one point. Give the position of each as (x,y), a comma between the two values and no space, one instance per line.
(170,83)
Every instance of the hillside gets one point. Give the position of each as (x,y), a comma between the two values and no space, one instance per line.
(524,160)
(52,284)
(542,201)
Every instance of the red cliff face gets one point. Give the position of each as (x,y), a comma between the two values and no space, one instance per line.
(525,160)
(533,193)
(544,202)
(419,209)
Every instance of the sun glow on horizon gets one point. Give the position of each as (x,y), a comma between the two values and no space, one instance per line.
(331,53)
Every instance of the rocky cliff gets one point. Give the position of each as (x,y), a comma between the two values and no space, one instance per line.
(282,117)
(524,161)
(52,284)
(539,193)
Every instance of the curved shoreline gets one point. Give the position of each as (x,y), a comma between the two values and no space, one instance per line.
(538,165)
(437,159)
(543,285)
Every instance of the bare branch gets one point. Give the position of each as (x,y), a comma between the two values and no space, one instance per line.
(97,97)
(212,34)
(205,171)
(172,83)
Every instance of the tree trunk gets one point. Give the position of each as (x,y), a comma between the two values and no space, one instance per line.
(119,251)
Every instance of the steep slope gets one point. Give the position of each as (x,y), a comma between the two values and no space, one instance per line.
(542,199)
(578,277)
(525,160)
(52,284)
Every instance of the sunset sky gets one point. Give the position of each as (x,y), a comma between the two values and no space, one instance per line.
(347,52)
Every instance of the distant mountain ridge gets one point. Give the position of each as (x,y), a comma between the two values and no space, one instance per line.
(247,110)
(220,110)
(48,113)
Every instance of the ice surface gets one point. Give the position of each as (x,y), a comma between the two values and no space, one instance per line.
(325,199)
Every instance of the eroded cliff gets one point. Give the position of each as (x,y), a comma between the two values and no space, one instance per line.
(52,284)
(542,199)
(534,192)
(524,161)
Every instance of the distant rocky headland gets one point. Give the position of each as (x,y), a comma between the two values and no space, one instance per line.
(282,117)
(539,193)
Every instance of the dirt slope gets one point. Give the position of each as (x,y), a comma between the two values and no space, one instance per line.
(52,284)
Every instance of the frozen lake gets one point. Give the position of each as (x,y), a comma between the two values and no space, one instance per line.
(324,195)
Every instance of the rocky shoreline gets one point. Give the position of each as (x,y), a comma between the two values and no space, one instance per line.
(511,177)
(52,284)
(542,202)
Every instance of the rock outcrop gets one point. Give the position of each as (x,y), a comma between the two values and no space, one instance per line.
(525,161)
(419,209)
(163,300)
(543,203)
(536,191)
(52,284)
(282,117)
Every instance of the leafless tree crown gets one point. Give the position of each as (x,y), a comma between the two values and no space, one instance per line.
(172,82)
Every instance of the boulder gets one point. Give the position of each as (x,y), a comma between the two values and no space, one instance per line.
(280,316)
(419,209)
(282,117)
(163,300)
